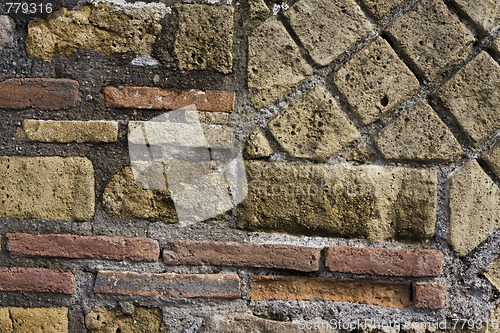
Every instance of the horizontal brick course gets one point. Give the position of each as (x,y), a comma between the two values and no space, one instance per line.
(289,288)
(168,284)
(298,258)
(36,280)
(429,296)
(384,261)
(43,94)
(169,99)
(92,247)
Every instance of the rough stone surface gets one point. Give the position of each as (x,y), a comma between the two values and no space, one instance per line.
(168,284)
(383,261)
(492,157)
(290,288)
(47,188)
(5,321)
(432,37)
(7,27)
(125,199)
(371,202)
(39,320)
(362,153)
(102,28)
(168,99)
(429,296)
(380,8)
(141,320)
(214,118)
(484,13)
(418,135)
(474,207)
(73,246)
(43,94)
(314,126)
(472,98)
(204,38)
(275,65)
(257,145)
(375,81)
(36,280)
(65,131)
(493,272)
(328,28)
(298,258)
(258,10)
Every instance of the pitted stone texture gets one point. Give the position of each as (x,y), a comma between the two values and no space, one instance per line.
(7,27)
(5,321)
(375,81)
(141,320)
(474,207)
(432,37)
(40,320)
(493,272)
(380,8)
(102,28)
(328,28)
(258,10)
(47,188)
(314,126)
(484,13)
(204,39)
(257,145)
(492,157)
(472,97)
(418,135)
(275,65)
(362,153)
(372,202)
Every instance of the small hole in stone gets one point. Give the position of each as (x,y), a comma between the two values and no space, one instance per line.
(384,101)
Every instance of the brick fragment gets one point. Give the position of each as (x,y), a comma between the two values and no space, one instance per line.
(390,262)
(429,296)
(73,246)
(169,99)
(36,280)
(289,288)
(43,94)
(299,258)
(168,284)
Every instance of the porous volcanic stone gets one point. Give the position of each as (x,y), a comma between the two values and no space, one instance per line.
(43,320)
(141,320)
(257,145)
(492,157)
(380,8)
(484,13)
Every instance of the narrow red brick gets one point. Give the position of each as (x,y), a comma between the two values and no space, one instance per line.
(282,256)
(157,98)
(384,261)
(429,295)
(290,288)
(38,93)
(83,247)
(168,284)
(36,280)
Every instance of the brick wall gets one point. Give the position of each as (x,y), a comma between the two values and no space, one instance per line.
(370,134)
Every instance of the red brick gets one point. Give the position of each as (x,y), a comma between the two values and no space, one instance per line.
(43,94)
(289,288)
(168,284)
(429,295)
(384,261)
(36,280)
(73,246)
(157,98)
(298,258)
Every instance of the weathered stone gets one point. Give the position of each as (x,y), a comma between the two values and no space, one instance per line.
(432,37)
(484,13)
(257,145)
(7,27)
(40,320)
(141,320)
(495,46)
(314,126)
(328,28)
(472,97)
(418,135)
(375,81)
(371,202)
(363,153)
(104,28)
(5,321)
(204,38)
(275,65)
(125,199)
(492,157)
(493,272)
(214,118)
(258,10)
(474,207)
(47,188)
(380,8)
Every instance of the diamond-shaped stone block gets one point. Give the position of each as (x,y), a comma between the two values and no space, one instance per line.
(380,8)
(484,13)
